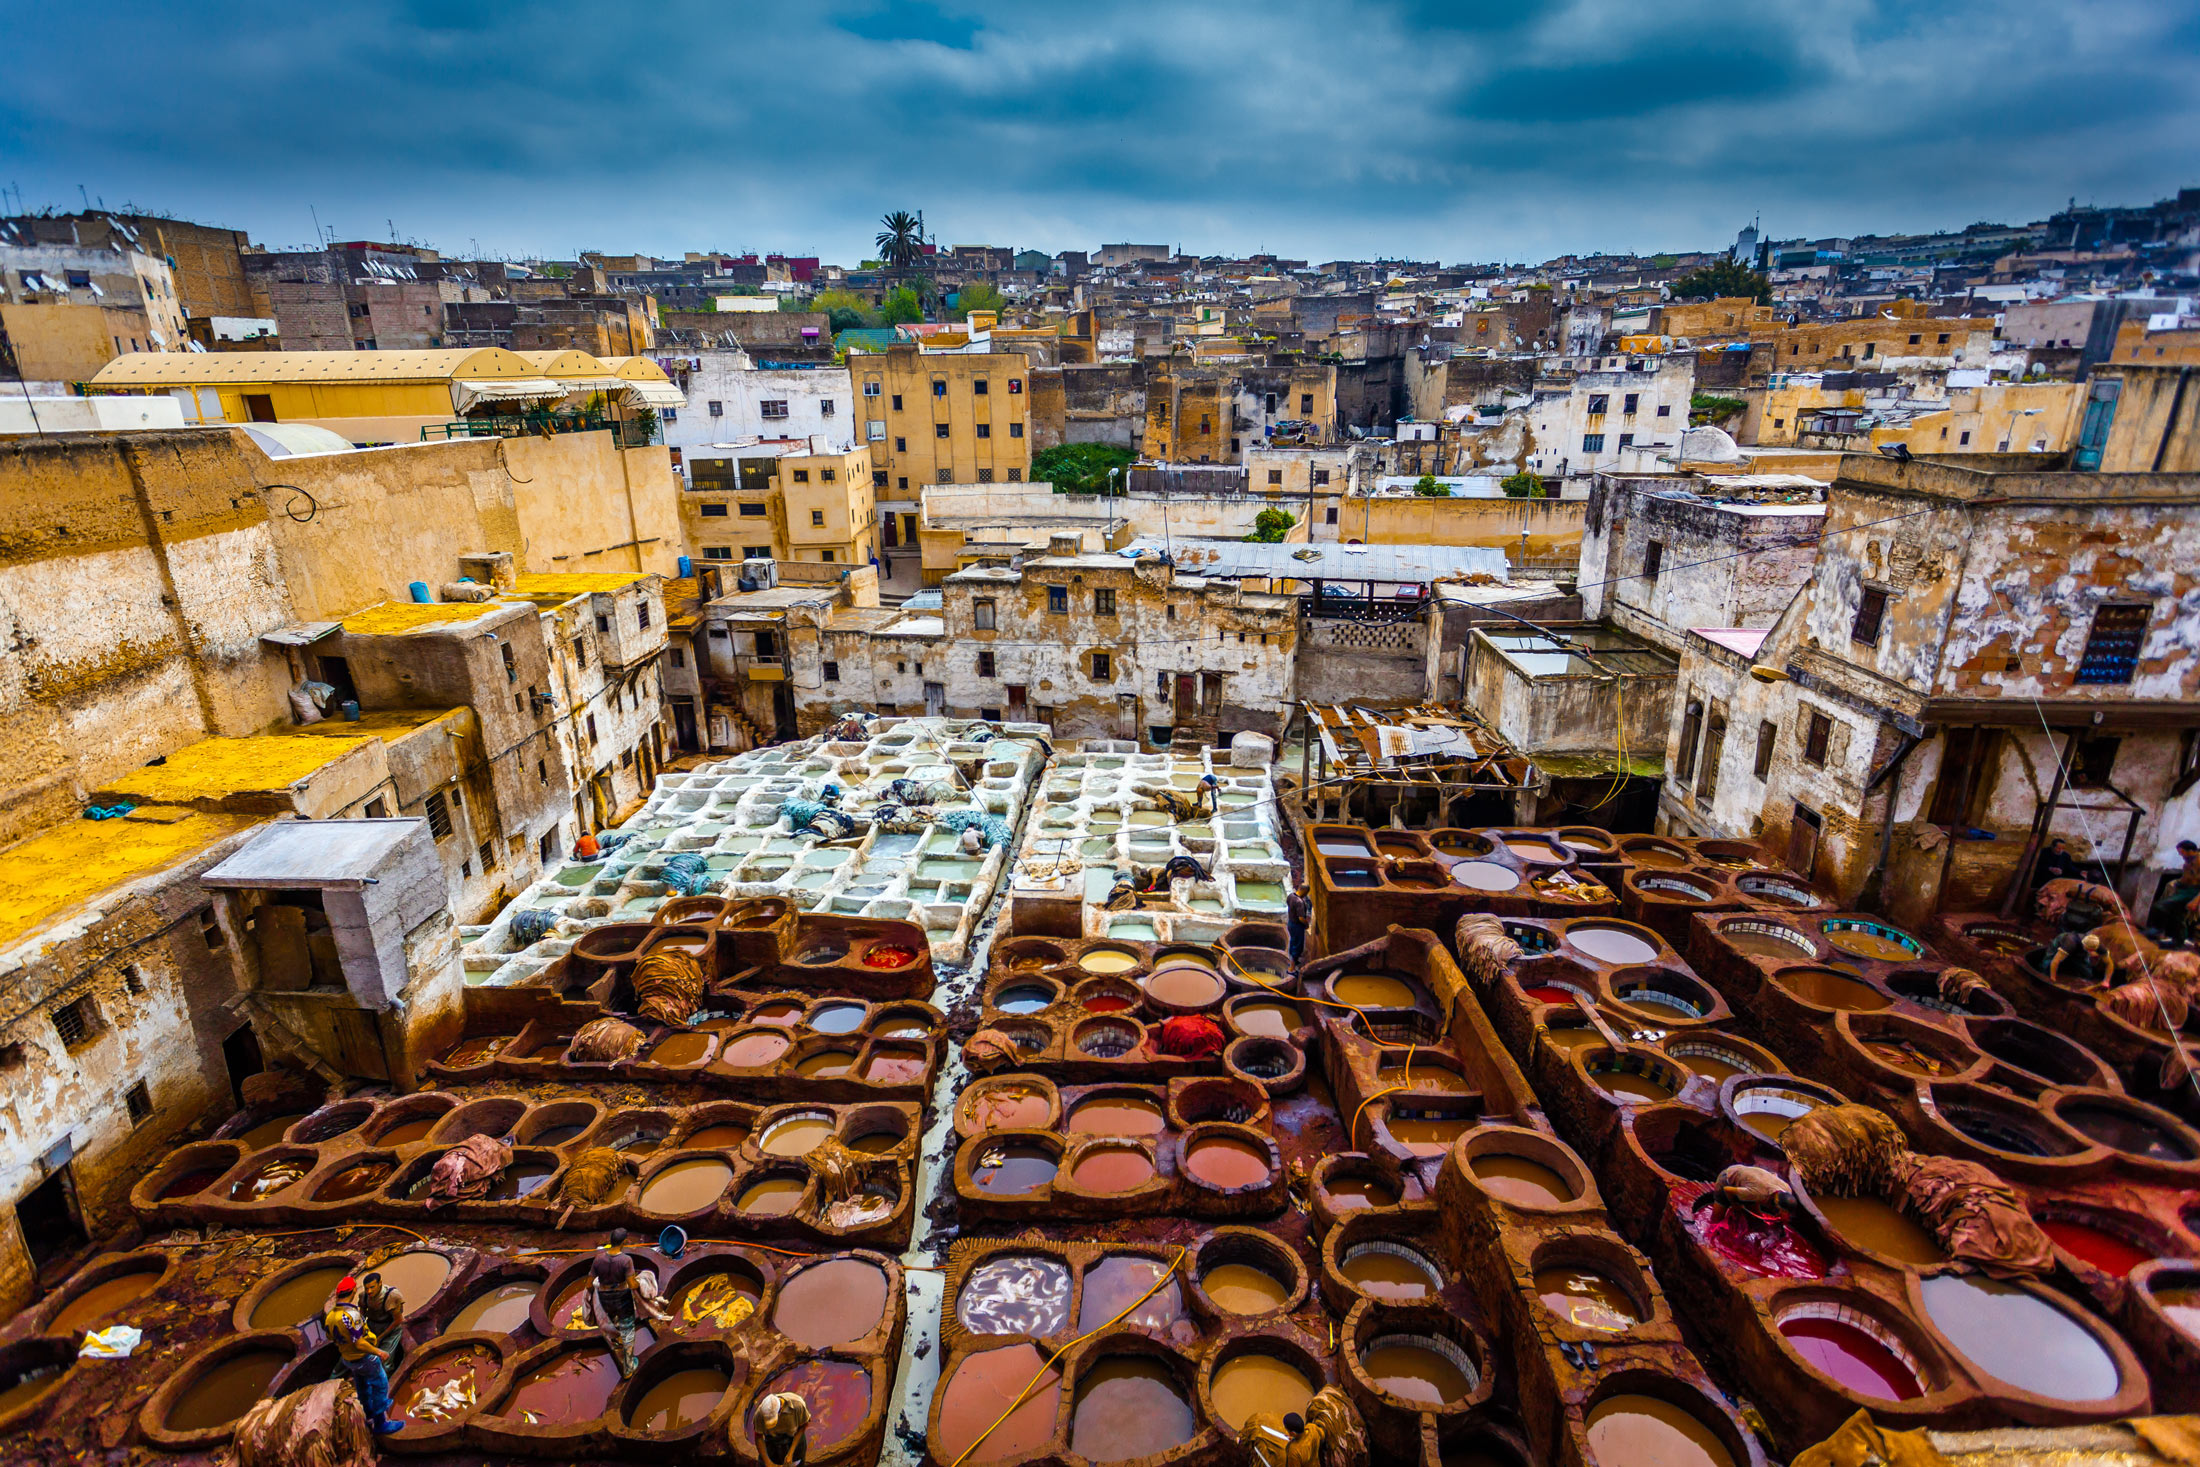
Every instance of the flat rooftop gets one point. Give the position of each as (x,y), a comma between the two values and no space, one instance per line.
(71,867)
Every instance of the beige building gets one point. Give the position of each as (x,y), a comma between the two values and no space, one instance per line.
(942,417)
(828,507)
(66,311)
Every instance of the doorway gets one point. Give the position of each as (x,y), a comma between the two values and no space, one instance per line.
(1019,704)
(336,672)
(48,1216)
(1803,842)
(259,407)
(935,700)
(241,1054)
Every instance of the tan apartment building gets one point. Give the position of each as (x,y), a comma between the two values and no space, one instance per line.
(828,507)
(942,417)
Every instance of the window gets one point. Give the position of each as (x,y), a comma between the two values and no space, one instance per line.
(716,511)
(1768,734)
(1869,348)
(1964,438)
(641,614)
(488,852)
(1015,385)
(1015,430)
(982,615)
(603,623)
(1306,404)
(802,476)
(679,658)
(1321,476)
(466,869)
(825,557)
(76,1022)
(871,389)
(878,478)
(2093,761)
(1103,669)
(134,980)
(1592,443)
(138,1102)
(1329,515)
(985,664)
(1058,600)
(985,476)
(1691,731)
(1714,746)
(717,552)
(985,430)
(2112,646)
(825,476)
(1626,440)
(1103,602)
(754,511)
(1915,338)
(939,387)
(438,811)
(817,519)
(542,768)
(79,279)
(897,402)
(1665,410)
(591,728)
(901,445)
(1275,476)
(1653,559)
(580,650)
(1943,338)
(210,929)
(717,409)
(1016,476)
(979,388)
(1817,734)
(772,407)
(1871,614)
(1628,403)
(825,407)
(939,430)
(1598,403)
(511,664)
(832,672)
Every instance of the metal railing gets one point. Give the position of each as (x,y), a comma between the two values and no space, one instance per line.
(631,433)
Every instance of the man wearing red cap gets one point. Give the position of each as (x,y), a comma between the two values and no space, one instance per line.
(363,1364)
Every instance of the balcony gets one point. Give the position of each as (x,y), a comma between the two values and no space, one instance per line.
(632,432)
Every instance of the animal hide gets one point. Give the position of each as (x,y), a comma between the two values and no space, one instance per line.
(1977,1216)
(1485,951)
(592,1179)
(317,1426)
(467,1170)
(1843,1150)
(668,986)
(604,1040)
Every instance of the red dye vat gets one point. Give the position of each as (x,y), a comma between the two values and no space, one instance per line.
(838,1393)
(1852,1358)
(1107,1003)
(885,955)
(1548,993)
(2105,1251)
(1768,1248)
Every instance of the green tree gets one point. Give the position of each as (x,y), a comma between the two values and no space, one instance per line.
(1706,407)
(1522,485)
(902,304)
(1270,526)
(1081,468)
(980,296)
(846,309)
(1427,487)
(901,240)
(1723,279)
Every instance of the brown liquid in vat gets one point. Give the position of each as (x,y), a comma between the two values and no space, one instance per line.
(982,1387)
(1243,1289)
(1118,1115)
(1115,1283)
(1857,942)
(772,1196)
(875,1143)
(894,1069)
(189,1182)
(1867,1222)
(416,1275)
(1422,1077)
(685,1186)
(268,1132)
(1227,1161)
(754,1051)
(1006,1108)
(1186,987)
(227,1391)
(473,1364)
(1346,1193)
(681,1049)
(1517,1179)
(404,1133)
(1586,1297)
(1644,1431)
(1662,858)
(796,1135)
(1111,1169)
(1427,1135)
(1571,1037)
(1253,1382)
(716,1138)
(832,1303)
(1274,1020)
(294,1301)
(101,1300)
(570,1387)
(1828,989)
(1630,1086)
(1715,1065)
(826,1064)
(496,1311)
(839,1396)
(680,1399)
(1417,1373)
(1373,991)
(1759,944)
(1382,1273)
(29,1389)
(1128,1406)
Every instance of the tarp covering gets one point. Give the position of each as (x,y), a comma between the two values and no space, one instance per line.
(467,394)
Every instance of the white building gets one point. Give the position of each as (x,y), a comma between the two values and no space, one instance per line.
(730,402)
(1636,402)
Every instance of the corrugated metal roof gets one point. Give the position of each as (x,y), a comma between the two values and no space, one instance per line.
(1390,564)
(187,369)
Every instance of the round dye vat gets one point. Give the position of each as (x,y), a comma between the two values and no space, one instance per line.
(1770,1112)
(571,1387)
(555,1135)
(101,1300)
(1373,991)
(680,1399)
(1007,1108)
(190,1182)
(1022,1000)
(1227,1161)
(1715,1065)
(429,1384)
(497,1311)
(1628,1086)
(1117,1282)
(1851,1357)
(2017,1337)
(1271,1020)
(474,1051)
(1242,1289)
(1830,990)
(1118,1115)
(772,1196)
(417,1275)
(1521,1180)
(29,1388)
(1390,1272)
(1548,993)
(1422,1077)
(719,1300)
(1011,1168)
(2097,1246)
(681,1049)
(1413,1370)
(1245,1385)
(784,1014)
(227,1391)
(1427,1135)
(1613,945)
(826,1064)
(894,1069)
(1867,1222)
(1779,944)
(754,1051)
(1108,960)
(836,1302)
(905,1027)
(270,1131)
(1181,985)
(296,1300)
(1107,1003)
(1586,1297)
(1485,875)
(2126,1131)
(838,1393)
(720,1137)
(1128,1406)
(1881,945)
(1015,1296)
(2182,1306)
(1663,858)
(1533,850)
(795,1135)
(984,1386)
(1111,1169)
(1644,1431)
(520,1179)
(266,1181)
(886,955)
(1348,1193)
(838,1018)
(685,1186)
(404,1133)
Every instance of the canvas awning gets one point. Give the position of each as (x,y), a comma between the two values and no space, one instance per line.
(654,394)
(301,633)
(466,395)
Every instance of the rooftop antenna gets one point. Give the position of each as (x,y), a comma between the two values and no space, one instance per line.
(87,198)
(318,242)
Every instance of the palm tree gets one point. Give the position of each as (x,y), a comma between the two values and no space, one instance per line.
(901,245)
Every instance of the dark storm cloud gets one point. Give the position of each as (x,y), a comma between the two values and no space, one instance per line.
(1462,131)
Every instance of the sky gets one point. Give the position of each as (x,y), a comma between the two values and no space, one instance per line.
(1416,128)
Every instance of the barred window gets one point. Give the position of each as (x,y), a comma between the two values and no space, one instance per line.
(438,811)
(76,1022)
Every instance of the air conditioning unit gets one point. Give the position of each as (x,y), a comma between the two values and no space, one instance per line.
(760,571)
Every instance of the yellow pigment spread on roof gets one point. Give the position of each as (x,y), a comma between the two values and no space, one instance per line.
(387,724)
(573,583)
(213,768)
(72,865)
(395,618)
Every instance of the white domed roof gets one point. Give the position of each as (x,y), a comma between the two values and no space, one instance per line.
(1709,445)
